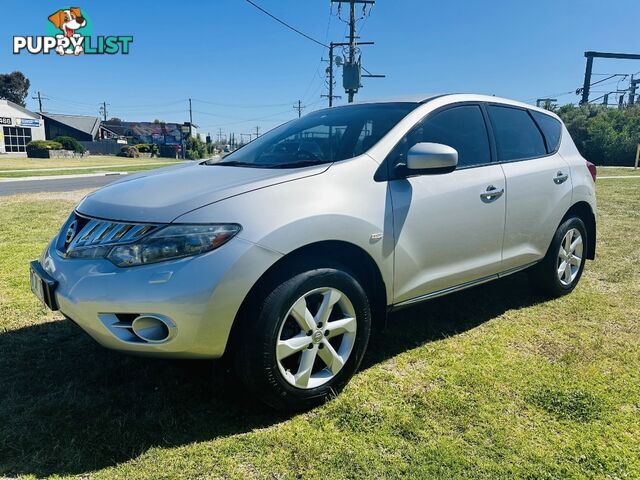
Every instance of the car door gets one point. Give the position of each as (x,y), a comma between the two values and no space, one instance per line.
(448,228)
(537,179)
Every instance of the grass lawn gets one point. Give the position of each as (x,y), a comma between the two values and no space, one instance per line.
(26,167)
(615,171)
(491,383)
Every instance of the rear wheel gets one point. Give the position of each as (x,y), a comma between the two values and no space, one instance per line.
(560,271)
(302,342)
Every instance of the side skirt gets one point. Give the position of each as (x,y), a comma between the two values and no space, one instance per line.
(457,288)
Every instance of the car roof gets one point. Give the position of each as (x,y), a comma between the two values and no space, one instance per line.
(460,97)
(416,98)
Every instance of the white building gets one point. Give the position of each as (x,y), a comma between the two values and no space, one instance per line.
(18,126)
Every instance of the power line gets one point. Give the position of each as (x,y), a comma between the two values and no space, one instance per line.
(286,24)
(119,107)
(229,105)
(253,119)
(266,117)
(326,38)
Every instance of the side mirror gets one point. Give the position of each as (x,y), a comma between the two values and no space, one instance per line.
(432,158)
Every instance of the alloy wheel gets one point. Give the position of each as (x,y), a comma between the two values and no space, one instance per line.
(316,337)
(570,257)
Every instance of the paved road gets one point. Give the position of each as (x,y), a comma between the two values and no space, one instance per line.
(57,185)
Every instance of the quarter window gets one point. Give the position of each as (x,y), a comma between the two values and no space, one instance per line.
(517,136)
(462,128)
(551,128)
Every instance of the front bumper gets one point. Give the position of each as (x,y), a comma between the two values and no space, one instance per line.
(200,295)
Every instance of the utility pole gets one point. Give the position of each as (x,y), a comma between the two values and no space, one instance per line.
(352,42)
(190,120)
(299,108)
(219,135)
(103,110)
(39,98)
(257,131)
(329,71)
(351,70)
(633,85)
(585,90)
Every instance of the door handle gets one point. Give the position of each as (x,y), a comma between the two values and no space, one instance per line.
(491,194)
(560,178)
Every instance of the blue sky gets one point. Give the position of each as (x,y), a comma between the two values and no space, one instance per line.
(243,69)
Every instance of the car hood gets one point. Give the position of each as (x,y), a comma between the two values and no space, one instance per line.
(160,196)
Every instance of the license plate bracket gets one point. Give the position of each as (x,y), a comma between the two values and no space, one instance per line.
(43,285)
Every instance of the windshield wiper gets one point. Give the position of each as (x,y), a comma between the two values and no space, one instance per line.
(234,163)
(300,164)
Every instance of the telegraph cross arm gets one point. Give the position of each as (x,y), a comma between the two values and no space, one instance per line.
(590,55)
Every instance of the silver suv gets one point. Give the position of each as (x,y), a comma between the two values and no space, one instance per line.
(286,253)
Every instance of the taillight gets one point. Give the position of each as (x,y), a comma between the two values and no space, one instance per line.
(592,170)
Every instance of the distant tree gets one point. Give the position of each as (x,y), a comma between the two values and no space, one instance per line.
(114,120)
(604,136)
(196,148)
(159,121)
(14,87)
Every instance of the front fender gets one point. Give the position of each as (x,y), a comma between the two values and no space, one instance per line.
(342,204)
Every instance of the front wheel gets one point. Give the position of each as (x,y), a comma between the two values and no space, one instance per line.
(305,339)
(560,270)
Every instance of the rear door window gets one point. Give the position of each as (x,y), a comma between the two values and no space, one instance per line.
(551,128)
(517,135)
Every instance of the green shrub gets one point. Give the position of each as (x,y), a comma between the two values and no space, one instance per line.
(40,148)
(143,147)
(196,148)
(129,151)
(148,148)
(70,143)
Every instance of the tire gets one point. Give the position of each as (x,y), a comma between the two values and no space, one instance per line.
(272,329)
(546,276)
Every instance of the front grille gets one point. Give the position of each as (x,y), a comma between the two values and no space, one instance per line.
(81,232)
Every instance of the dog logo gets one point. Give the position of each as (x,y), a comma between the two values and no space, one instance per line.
(69,21)
(69,32)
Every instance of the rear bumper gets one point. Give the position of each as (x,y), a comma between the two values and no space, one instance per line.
(200,296)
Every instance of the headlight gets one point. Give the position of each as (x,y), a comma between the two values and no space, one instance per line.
(171,242)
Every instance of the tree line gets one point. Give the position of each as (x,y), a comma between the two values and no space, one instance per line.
(604,136)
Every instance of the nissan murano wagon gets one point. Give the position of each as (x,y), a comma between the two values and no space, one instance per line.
(284,255)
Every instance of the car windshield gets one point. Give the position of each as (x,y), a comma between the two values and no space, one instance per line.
(324,136)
